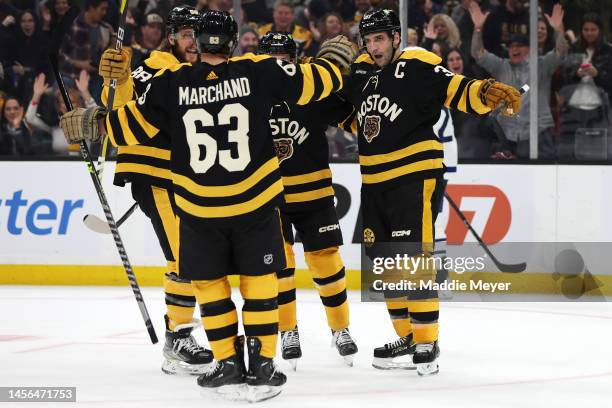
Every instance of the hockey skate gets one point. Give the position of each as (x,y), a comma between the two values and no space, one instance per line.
(345,345)
(290,346)
(226,379)
(426,358)
(264,379)
(182,354)
(395,355)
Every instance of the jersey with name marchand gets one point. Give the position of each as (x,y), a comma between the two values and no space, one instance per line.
(397,107)
(224,169)
(302,150)
(149,162)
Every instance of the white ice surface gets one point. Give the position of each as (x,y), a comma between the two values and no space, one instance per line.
(492,354)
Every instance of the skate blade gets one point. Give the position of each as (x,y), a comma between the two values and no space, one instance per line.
(349,360)
(175,367)
(293,363)
(258,393)
(231,392)
(390,364)
(426,369)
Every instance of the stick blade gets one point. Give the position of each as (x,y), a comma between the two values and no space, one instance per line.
(512,268)
(96,224)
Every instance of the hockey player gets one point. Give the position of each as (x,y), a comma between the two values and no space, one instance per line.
(226,184)
(302,150)
(444,130)
(147,168)
(398,96)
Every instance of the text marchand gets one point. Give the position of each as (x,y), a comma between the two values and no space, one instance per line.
(228,89)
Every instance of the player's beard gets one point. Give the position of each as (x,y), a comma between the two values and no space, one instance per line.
(182,55)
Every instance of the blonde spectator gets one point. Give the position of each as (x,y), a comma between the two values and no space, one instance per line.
(441,27)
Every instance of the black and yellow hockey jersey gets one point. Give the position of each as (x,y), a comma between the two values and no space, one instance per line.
(148,162)
(396,109)
(303,152)
(224,168)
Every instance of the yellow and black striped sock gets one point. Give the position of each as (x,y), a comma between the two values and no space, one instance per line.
(423,304)
(287,313)
(180,301)
(219,316)
(260,310)
(400,318)
(327,272)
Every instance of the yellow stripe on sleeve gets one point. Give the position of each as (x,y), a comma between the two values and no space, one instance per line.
(148,128)
(307,84)
(327,81)
(109,130)
(128,136)
(451,90)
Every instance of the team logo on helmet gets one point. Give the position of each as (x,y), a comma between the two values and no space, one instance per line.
(368,237)
(371,127)
(283,148)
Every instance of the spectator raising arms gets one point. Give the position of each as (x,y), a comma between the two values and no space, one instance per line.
(80,98)
(509,18)
(515,71)
(442,28)
(475,135)
(89,37)
(27,53)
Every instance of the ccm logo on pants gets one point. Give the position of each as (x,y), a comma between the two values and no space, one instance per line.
(400,233)
(328,228)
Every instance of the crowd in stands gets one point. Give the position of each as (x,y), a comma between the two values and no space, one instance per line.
(476,38)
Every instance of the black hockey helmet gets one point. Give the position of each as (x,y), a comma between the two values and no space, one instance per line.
(276,42)
(183,16)
(218,33)
(377,20)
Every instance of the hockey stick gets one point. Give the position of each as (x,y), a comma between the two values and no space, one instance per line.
(61,30)
(113,85)
(97,224)
(510,268)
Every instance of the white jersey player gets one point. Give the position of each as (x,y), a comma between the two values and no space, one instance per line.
(445,132)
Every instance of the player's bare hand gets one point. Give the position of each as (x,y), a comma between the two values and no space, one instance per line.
(82,124)
(478,18)
(497,94)
(115,64)
(340,51)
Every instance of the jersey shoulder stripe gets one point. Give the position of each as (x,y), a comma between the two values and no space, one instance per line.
(161,59)
(420,54)
(249,56)
(172,68)
(364,58)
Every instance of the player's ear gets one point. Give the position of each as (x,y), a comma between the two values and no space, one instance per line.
(171,39)
(396,40)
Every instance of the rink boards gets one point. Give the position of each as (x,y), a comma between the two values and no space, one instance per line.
(43,239)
